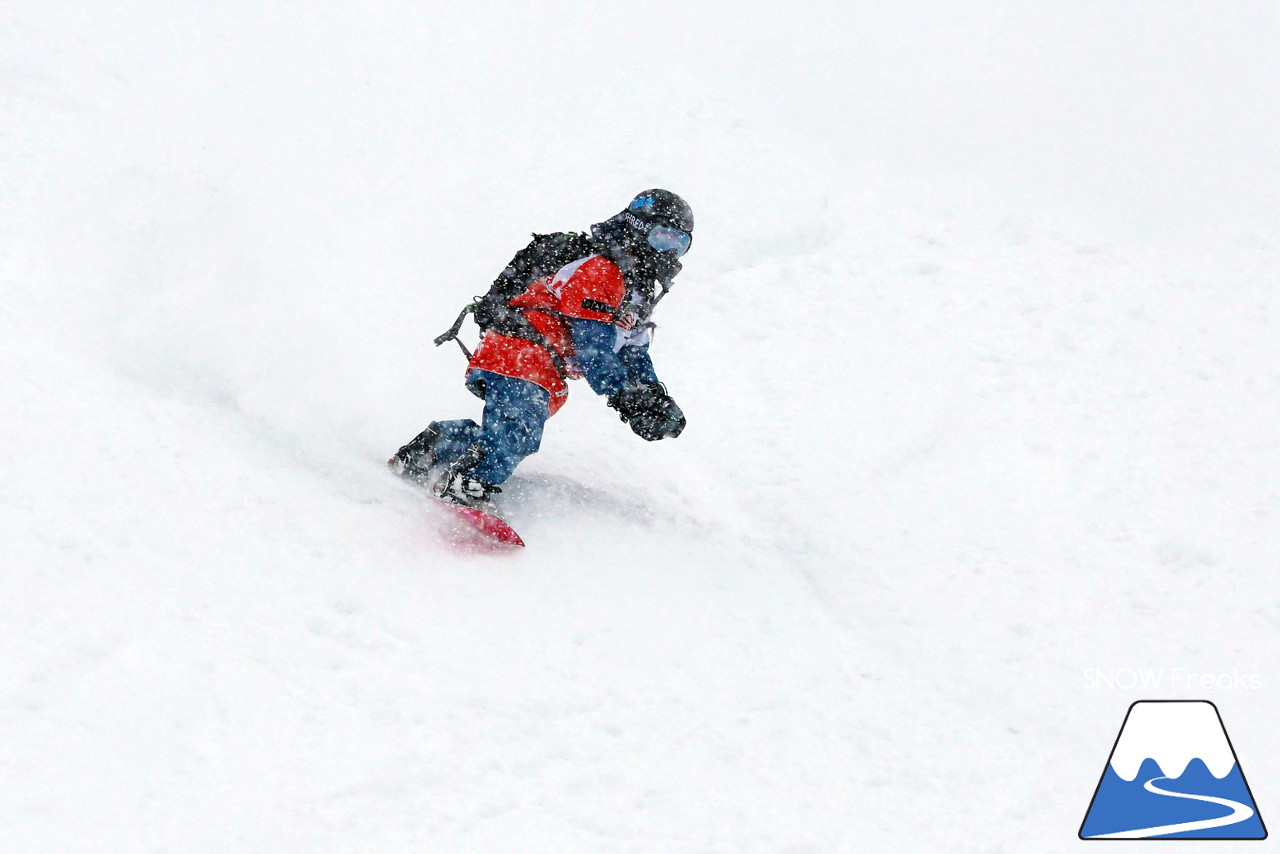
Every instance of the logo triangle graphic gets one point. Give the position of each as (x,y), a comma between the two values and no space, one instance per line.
(1173,774)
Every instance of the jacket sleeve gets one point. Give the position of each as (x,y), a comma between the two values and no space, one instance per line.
(593,341)
(638,364)
(607,370)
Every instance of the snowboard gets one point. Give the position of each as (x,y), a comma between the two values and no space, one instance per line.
(485,522)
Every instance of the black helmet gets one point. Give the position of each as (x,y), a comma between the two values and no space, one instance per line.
(649,236)
(663,220)
(663,206)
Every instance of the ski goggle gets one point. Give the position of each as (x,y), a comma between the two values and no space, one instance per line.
(664,238)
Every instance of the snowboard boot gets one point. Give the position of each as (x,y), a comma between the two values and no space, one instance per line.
(457,485)
(416,459)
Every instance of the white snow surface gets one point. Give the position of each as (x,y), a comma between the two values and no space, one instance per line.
(1172,733)
(977,340)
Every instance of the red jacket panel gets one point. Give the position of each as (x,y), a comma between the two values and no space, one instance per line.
(591,288)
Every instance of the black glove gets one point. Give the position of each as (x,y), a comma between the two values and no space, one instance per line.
(649,411)
(492,312)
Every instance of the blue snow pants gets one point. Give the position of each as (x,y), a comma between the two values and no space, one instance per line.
(515,411)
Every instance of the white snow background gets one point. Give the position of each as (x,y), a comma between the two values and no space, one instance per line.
(977,341)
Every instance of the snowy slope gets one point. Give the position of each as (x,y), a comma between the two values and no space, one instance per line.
(976,341)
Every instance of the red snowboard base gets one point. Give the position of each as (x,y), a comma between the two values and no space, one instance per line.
(486,523)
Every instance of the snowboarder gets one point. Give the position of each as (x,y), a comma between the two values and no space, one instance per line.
(568,306)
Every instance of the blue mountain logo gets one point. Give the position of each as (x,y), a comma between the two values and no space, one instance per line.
(1173,774)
